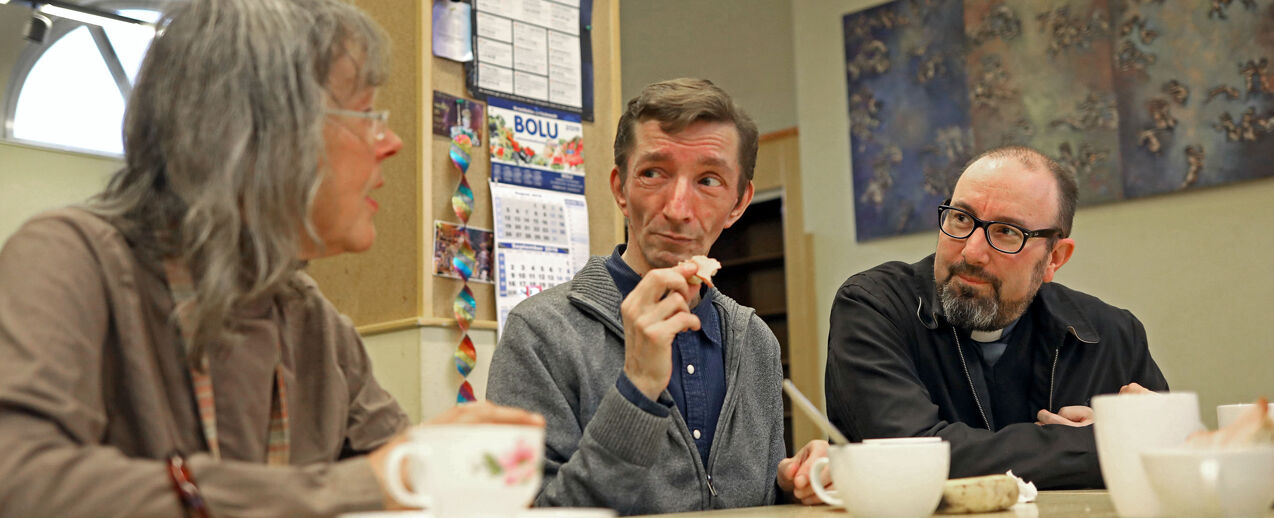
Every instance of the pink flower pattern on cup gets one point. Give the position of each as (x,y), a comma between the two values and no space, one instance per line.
(516,465)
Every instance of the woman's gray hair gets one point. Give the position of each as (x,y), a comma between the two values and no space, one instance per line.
(223,143)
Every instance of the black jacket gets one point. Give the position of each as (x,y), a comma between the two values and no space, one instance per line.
(894,369)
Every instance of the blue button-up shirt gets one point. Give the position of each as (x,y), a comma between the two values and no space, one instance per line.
(697,386)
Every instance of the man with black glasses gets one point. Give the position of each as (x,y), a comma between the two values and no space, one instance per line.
(977,345)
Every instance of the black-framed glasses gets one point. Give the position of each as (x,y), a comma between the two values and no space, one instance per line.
(1005,237)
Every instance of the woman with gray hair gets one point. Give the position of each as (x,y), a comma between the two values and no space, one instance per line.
(161,350)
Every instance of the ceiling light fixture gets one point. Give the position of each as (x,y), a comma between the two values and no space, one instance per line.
(38,28)
(89,15)
(82,13)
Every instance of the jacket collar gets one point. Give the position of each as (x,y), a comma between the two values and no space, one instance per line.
(594,289)
(1061,313)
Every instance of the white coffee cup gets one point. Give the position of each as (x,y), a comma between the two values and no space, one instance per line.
(1127,425)
(1213,482)
(885,478)
(468,471)
(1226,414)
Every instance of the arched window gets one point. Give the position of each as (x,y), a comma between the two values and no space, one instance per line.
(70,91)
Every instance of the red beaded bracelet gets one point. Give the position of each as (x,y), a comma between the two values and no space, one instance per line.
(184,485)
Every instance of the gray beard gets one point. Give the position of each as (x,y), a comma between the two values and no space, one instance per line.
(966,309)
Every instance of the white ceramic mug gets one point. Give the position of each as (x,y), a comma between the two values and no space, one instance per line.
(468,471)
(1213,482)
(1226,414)
(1127,425)
(885,478)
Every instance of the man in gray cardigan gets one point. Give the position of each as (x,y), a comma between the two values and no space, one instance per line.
(660,394)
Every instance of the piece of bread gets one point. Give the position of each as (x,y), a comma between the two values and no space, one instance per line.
(707,268)
(978,494)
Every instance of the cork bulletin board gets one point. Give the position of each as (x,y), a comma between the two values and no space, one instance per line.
(394,281)
(605,222)
(381,285)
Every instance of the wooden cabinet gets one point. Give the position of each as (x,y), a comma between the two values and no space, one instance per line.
(753,273)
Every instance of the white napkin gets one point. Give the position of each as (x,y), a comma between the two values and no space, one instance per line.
(1026,491)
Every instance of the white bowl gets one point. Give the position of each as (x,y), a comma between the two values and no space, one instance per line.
(1215,482)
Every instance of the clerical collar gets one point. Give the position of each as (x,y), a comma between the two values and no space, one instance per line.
(992,336)
(986,336)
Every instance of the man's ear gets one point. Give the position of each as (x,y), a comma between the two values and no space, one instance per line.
(617,190)
(742,205)
(1061,253)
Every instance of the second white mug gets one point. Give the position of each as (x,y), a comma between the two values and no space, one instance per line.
(1226,414)
(886,478)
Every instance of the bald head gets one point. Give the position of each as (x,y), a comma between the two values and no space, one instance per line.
(1022,158)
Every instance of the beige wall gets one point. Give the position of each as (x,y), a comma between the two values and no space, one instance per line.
(1195,267)
(35,179)
(408,363)
(742,45)
(396,363)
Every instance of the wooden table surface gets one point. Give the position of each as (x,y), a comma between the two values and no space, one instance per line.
(1050,504)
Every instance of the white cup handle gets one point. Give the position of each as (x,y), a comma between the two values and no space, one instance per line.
(394,474)
(816,481)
